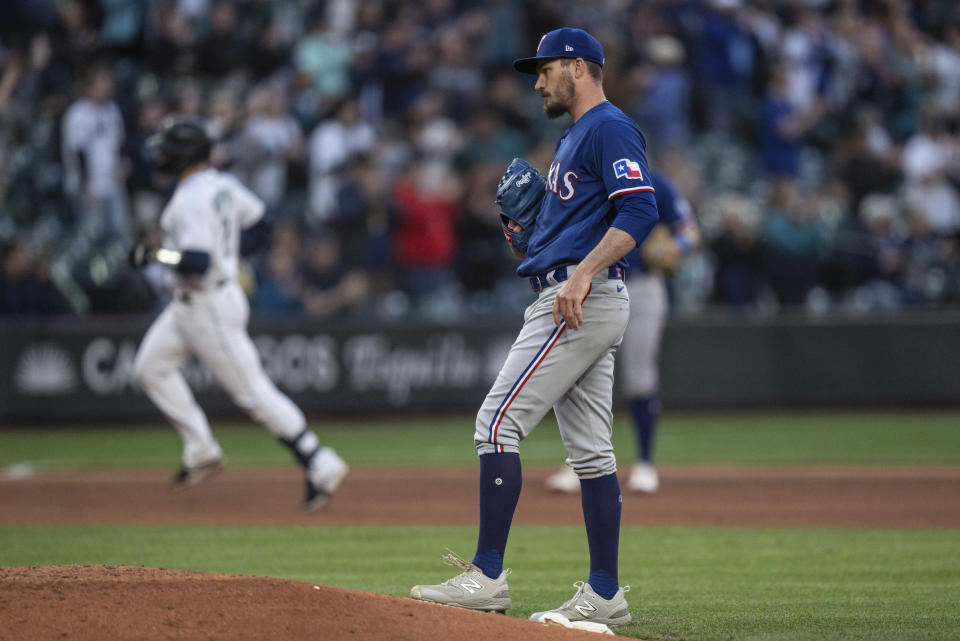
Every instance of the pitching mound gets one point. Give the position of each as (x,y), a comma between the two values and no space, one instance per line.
(95,602)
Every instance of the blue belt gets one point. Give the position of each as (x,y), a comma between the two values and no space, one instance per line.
(540,283)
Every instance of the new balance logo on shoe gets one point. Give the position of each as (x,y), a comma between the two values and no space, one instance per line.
(585,609)
(471,586)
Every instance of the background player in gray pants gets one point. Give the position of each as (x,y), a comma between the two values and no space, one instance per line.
(598,206)
(638,358)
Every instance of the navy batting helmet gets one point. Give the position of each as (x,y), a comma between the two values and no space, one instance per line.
(180,143)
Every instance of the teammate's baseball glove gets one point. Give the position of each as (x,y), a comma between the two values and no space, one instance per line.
(660,250)
(519,194)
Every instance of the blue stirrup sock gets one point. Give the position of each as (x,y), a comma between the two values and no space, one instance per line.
(601,502)
(645,412)
(500,483)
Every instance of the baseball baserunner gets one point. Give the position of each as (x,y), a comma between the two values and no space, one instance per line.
(598,205)
(208,318)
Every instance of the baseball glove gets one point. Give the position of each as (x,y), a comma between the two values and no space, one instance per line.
(519,194)
(660,250)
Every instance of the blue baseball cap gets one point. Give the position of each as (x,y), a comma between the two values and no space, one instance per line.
(563,43)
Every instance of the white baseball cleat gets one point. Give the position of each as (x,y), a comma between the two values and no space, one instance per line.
(327,471)
(643,478)
(565,480)
(587,605)
(471,589)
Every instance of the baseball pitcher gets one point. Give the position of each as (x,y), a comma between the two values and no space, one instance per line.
(208,318)
(597,204)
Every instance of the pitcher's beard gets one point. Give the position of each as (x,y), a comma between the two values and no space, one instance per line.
(562,98)
(554,109)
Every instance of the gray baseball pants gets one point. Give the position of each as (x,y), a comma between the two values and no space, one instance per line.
(570,371)
(640,353)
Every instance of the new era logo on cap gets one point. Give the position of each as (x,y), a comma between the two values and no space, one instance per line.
(563,43)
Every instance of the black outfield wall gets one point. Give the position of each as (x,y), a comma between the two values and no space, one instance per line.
(79,369)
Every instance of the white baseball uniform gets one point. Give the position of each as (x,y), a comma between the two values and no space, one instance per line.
(208,318)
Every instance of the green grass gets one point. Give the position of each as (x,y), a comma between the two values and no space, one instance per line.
(752,438)
(687,583)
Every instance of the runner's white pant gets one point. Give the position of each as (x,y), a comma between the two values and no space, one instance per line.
(213,326)
(570,371)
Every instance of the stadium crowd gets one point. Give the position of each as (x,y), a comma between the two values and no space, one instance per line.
(816,139)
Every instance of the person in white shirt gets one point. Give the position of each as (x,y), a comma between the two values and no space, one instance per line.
(333,144)
(94,174)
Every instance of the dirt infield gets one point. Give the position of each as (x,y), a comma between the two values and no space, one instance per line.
(86,603)
(788,496)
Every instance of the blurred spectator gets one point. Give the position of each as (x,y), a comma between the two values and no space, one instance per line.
(398,95)
(25,287)
(323,56)
(278,289)
(272,139)
(145,184)
(188,97)
(172,50)
(505,94)
(329,286)
(333,145)
(782,127)
(270,49)
(944,65)
(488,139)
(864,160)
(92,138)
(361,219)
(456,73)
(77,31)
(738,253)
(224,48)
(662,103)
(122,25)
(426,204)
(930,158)
(794,243)
(883,247)
(404,63)
(930,267)
(726,61)
(432,131)
(225,126)
(806,57)
(482,259)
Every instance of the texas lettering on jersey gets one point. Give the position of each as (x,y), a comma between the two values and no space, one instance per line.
(566,190)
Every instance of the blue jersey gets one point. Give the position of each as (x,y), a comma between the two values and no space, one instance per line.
(598,179)
(674,210)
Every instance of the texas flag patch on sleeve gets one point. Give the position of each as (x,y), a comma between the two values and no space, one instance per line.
(626,168)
